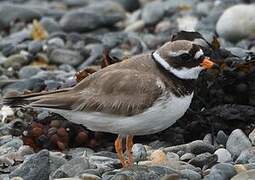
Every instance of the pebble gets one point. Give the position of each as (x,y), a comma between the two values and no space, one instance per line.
(221,171)
(139,152)
(34,85)
(129,5)
(246,156)
(247,175)
(101,161)
(252,137)
(50,24)
(224,155)
(221,138)
(203,159)
(152,12)
(15,60)
(35,47)
(187,156)
(27,72)
(237,142)
(233,30)
(11,12)
(172,156)
(65,56)
(56,42)
(86,176)
(36,167)
(195,147)
(190,175)
(95,15)
(72,168)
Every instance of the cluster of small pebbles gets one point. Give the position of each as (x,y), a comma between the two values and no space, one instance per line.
(43,44)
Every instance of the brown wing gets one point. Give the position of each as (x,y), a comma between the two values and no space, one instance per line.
(123,92)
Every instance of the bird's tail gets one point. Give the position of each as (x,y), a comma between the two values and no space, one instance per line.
(14,100)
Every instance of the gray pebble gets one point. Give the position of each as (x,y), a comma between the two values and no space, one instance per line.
(187,156)
(65,56)
(36,167)
(246,156)
(203,159)
(153,12)
(50,24)
(86,176)
(35,47)
(95,15)
(237,142)
(189,174)
(233,30)
(139,152)
(27,72)
(223,155)
(221,138)
(14,60)
(56,42)
(252,137)
(72,168)
(221,171)
(11,12)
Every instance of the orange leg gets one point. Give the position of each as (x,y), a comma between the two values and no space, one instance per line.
(119,150)
(129,145)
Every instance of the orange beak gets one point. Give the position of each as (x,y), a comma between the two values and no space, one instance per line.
(207,63)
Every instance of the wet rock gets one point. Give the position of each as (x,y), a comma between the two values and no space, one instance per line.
(187,156)
(246,156)
(195,147)
(237,142)
(95,15)
(233,30)
(72,168)
(86,176)
(36,167)
(10,13)
(35,47)
(129,5)
(172,156)
(28,71)
(65,56)
(139,152)
(56,161)
(152,12)
(187,23)
(56,42)
(252,137)
(246,175)
(221,171)
(15,60)
(101,161)
(221,138)
(139,172)
(203,159)
(223,155)
(11,146)
(81,151)
(50,24)
(189,174)
(34,85)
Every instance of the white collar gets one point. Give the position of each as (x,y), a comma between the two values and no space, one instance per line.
(183,73)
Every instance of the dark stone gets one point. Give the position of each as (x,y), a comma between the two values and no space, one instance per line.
(37,167)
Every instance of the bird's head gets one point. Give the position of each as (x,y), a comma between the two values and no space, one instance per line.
(183,58)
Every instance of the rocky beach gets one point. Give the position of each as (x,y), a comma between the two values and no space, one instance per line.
(49,45)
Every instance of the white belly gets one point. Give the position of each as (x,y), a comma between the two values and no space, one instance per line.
(160,116)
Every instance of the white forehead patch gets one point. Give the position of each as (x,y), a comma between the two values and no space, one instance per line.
(183,73)
(199,54)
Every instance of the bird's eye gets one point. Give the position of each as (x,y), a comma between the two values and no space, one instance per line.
(186,57)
